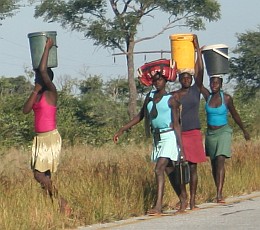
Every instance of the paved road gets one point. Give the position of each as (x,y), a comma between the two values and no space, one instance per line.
(238,213)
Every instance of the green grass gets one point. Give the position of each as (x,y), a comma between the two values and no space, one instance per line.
(106,184)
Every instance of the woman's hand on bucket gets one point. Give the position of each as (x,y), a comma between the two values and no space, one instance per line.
(202,47)
(49,43)
(195,42)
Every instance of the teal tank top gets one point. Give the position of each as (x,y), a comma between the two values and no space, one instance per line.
(217,116)
(163,119)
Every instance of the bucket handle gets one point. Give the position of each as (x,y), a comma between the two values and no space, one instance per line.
(221,53)
(45,35)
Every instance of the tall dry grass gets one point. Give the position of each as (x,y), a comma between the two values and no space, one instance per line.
(105,184)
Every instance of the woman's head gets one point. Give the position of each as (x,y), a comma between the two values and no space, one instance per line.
(185,80)
(159,81)
(39,80)
(215,84)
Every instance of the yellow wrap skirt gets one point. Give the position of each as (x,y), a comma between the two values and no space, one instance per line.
(46,151)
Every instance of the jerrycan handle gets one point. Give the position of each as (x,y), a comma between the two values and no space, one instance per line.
(184,38)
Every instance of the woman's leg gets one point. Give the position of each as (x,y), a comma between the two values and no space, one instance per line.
(193,184)
(218,172)
(220,176)
(159,173)
(214,170)
(179,189)
(44,178)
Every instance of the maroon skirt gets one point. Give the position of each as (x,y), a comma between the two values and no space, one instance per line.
(193,146)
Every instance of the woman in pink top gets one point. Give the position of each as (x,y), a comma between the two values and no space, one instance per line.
(47,141)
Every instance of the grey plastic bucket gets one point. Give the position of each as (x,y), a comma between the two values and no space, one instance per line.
(216,59)
(37,42)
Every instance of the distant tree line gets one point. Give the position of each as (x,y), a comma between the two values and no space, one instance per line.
(89,117)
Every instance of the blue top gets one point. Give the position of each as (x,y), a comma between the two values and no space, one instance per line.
(190,109)
(217,116)
(163,120)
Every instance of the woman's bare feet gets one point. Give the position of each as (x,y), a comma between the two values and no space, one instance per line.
(154,212)
(183,204)
(178,205)
(64,207)
(192,205)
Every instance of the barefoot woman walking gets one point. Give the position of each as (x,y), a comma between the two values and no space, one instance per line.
(47,141)
(163,113)
(219,133)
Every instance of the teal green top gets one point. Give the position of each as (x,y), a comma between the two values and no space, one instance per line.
(163,120)
(217,116)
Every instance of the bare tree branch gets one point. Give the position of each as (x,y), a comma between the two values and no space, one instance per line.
(114,7)
(170,25)
(126,6)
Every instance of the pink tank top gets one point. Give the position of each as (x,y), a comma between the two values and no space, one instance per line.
(44,116)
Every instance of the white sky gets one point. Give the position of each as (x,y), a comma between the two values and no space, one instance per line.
(76,53)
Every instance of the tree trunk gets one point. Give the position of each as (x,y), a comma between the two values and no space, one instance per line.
(131,81)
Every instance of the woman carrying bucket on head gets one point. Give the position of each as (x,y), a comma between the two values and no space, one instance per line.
(189,98)
(162,113)
(46,146)
(219,133)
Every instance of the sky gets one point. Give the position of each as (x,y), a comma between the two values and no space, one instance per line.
(78,55)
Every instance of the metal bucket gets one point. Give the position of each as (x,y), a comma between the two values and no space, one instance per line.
(37,42)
